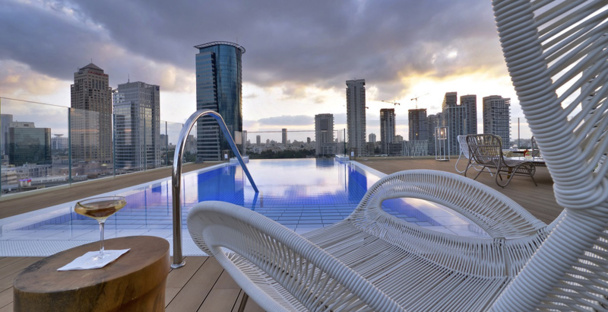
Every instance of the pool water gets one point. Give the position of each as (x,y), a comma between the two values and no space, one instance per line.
(302,194)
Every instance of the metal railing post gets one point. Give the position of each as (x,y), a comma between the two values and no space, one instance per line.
(176,177)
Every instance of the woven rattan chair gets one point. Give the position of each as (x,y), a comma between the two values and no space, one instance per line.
(535,151)
(465,155)
(557,56)
(486,151)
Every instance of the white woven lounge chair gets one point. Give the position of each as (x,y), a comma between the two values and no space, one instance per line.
(373,260)
(557,56)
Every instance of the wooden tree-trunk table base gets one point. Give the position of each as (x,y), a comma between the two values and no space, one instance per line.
(134,282)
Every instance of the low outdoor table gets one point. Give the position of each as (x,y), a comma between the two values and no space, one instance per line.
(537,161)
(133,282)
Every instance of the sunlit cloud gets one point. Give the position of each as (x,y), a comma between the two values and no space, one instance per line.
(17,79)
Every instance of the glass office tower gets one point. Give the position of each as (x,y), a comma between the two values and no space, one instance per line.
(218,88)
(137,126)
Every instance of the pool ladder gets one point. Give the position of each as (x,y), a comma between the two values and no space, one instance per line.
(176,180)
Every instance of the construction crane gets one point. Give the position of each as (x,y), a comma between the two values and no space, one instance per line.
(391,102)
(416,98)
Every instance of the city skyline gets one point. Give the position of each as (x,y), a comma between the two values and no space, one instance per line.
(403,49)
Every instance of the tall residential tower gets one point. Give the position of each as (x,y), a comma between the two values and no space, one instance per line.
(218,88)
(469,102)
(453,118)
(355,115)
(387,129)
(324,135)
(418,124)
(497,118)
(459,118)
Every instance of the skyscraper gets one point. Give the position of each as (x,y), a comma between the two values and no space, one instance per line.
(137,126)
(418,124)
(324,134)
(497,118)
(453,118)
(218,88)
(469,102)
(387,128)
(434,121)
(459,118)
(355,115)
(91,115)
(284,136)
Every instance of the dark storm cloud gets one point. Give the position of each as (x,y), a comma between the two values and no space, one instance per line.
(48,44)
(316,42)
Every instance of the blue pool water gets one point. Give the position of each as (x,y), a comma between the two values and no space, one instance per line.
(301,194)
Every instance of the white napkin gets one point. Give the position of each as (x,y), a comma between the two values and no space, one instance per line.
(86,262)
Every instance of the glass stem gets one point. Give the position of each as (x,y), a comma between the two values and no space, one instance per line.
(101,239)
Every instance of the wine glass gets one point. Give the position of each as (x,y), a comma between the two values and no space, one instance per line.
(100,208)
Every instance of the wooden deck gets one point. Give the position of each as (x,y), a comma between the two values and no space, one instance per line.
(202,285)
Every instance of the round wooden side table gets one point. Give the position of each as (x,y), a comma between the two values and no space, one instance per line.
(134,282)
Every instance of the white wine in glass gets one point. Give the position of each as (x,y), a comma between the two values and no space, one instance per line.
(100,208)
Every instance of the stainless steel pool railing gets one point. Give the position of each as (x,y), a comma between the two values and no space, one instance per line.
(176,179)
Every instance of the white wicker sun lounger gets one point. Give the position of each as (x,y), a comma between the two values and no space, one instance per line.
(371,252)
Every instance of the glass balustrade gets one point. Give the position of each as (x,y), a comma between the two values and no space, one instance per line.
(44,145)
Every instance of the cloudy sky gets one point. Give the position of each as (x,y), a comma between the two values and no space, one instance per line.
(299,53)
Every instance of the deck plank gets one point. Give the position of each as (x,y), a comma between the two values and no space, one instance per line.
(8,261)
(220,300)
(7,308)
(223,296)
(6,297)
(178,278)
(197,289)
(11,271)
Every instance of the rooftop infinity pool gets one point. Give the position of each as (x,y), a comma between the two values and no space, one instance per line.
(302,194)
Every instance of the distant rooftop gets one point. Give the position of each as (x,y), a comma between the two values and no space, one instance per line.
(209,44)
(92,66)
